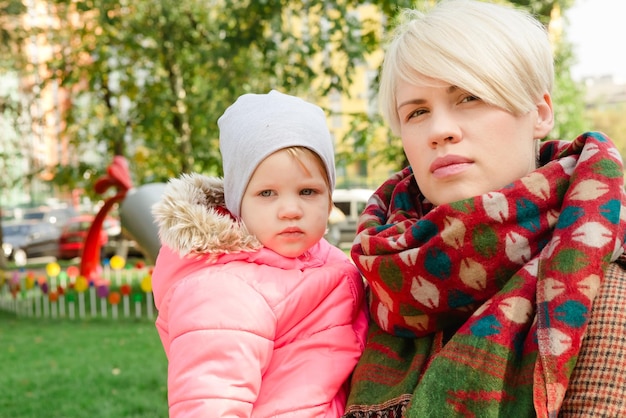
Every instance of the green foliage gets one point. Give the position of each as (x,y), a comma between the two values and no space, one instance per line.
(11,34)
(148,80)
(567,96)
(370,141)
(152,77)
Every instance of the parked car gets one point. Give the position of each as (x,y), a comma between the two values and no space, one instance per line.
(56,216)
(333,229)
(351,203)
(74,234)
(27,239)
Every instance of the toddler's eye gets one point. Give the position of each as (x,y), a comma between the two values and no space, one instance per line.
(416,113)
(307,192)
(266,193)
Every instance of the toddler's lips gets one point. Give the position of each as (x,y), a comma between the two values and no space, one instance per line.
(292,230)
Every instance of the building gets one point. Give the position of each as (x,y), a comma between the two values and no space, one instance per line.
(604,93)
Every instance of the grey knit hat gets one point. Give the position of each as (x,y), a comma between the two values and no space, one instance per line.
(258,125)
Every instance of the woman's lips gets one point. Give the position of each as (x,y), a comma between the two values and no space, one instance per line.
(449,165)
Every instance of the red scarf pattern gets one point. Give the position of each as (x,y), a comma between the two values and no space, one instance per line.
(516,268)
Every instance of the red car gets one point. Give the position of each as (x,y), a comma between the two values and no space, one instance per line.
(74,234)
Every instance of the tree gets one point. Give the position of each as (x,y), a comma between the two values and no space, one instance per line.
(11,41)
(147,80)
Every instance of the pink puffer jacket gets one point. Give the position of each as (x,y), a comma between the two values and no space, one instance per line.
(247,332)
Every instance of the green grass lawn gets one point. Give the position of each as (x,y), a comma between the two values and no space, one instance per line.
(81,368)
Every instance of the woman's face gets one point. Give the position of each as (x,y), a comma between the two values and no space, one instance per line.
(460,146)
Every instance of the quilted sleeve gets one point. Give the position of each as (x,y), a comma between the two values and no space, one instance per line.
(221,335)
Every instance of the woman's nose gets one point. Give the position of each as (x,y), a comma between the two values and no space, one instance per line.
(444,129)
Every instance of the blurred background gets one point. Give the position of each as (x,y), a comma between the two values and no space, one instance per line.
(83,81)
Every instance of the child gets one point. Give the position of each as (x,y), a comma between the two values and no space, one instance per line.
(258,314)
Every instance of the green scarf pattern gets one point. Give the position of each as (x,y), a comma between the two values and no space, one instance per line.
(479,307)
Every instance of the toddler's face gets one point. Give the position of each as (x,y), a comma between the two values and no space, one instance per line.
(286,203)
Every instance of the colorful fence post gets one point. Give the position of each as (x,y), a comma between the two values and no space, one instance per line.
(62,294)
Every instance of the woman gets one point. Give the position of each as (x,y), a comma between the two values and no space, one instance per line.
(492,257)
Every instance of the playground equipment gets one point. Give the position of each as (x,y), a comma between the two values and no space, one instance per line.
(135,214)
(94,290)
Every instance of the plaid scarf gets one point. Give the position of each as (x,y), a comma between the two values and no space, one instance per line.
(479,307)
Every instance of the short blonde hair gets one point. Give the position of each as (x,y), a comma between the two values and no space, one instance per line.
(497,53)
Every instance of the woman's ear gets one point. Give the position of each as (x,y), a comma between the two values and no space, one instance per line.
(545,117)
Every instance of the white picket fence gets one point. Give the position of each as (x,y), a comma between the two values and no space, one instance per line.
(116,293)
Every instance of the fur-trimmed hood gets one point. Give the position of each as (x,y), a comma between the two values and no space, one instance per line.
(192,218)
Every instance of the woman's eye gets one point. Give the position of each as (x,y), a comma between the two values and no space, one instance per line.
(469,98)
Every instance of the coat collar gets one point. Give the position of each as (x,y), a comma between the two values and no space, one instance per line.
(192,218)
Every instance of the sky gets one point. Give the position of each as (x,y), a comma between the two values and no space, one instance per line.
(597,30)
